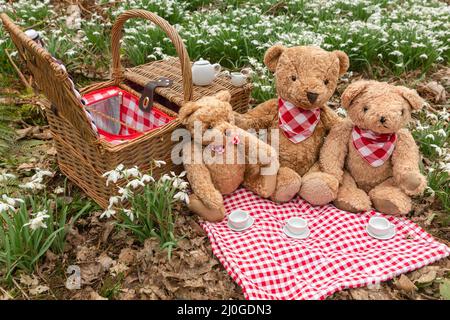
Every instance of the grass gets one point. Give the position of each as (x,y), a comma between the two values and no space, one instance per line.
(383,38)
(22,247)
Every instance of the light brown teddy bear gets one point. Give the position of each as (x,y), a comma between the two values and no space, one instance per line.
(221,156)
(306,77)
(374,157)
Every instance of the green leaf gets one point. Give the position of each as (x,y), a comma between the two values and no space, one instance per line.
(444,289)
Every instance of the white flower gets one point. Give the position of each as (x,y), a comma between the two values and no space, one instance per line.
(32,185)
(58,190)
(159,163)
(165,178)
(5,207)
(6,176)
(113,175)
(125,192)
(132,172)
(182,196)
(129,213)
(136,183)
(108,213)
(113,201)
(147,178)
(38,221)
(40,174)
(11,201)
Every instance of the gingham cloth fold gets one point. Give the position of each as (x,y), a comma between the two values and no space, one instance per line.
(297,124)
(338,254)
(375,148)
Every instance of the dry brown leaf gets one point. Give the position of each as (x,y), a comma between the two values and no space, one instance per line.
(30,281)
(95,296)
(405,284)
(127,256)
(433,91)
(90,272)
(85,253)
(427,277)
(52,151)
(38,290)
(105,261)
(118,268)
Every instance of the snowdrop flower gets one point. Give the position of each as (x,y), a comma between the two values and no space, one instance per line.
(11,201)
(40,174)
(38,220)
(182,196)
(129,213)
(125,192)
(108,213)
(6,176)
(132,172)
(159,163)
(58,190)
(147,178)
(32,185)
(113,201)
(136,183)
(114,175)
(165,178)
(5,207)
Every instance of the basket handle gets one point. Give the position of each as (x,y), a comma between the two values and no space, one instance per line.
(117,70)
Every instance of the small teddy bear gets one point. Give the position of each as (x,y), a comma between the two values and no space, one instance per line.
(220,157)
(373,156)
(306,78)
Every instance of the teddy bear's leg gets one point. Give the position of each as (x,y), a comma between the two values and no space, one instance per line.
(262,185)
(388,198)
(288,185)
(318,188)
(197,206)
(350,197)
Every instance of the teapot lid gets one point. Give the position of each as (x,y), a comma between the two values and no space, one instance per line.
(201,62)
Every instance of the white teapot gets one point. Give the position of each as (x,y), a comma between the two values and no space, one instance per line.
(204,73)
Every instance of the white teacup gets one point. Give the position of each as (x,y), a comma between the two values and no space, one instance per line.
(238,79)
(297,225)
(380,226)
(238,218)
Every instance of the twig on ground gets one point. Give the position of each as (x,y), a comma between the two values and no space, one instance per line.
(21,76)
(20,288)
(6,293)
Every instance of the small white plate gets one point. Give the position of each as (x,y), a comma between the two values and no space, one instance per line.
(386,237)
(302,235)
(249,224)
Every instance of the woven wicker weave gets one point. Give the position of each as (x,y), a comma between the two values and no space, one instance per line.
(81,155)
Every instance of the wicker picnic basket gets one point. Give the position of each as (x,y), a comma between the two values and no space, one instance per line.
(82,156)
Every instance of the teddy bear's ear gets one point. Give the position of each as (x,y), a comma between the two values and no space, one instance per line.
(413,98)
(272,55)
(223,95)
(186,111)
(352,91)
(344,62)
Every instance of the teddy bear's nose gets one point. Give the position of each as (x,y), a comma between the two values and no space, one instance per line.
(312,97)
(382,119)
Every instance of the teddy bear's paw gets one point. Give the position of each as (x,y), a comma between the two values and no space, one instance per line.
(394,206)
(355,200)
(209,214)
(319,188)
(288,185)
(413,183)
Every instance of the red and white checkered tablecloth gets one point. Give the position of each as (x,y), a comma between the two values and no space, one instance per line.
(338,254)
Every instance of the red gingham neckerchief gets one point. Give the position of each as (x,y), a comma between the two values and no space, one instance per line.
(296,123)
(375,148)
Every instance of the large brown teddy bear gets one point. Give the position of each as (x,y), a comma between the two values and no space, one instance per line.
(210,173)
(374,157)
(306,77)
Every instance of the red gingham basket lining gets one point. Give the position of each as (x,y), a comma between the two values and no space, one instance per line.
(339,254)
(129,114)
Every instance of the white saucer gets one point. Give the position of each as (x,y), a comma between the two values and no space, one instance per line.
(249,224)
(386,237)
(303,235)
